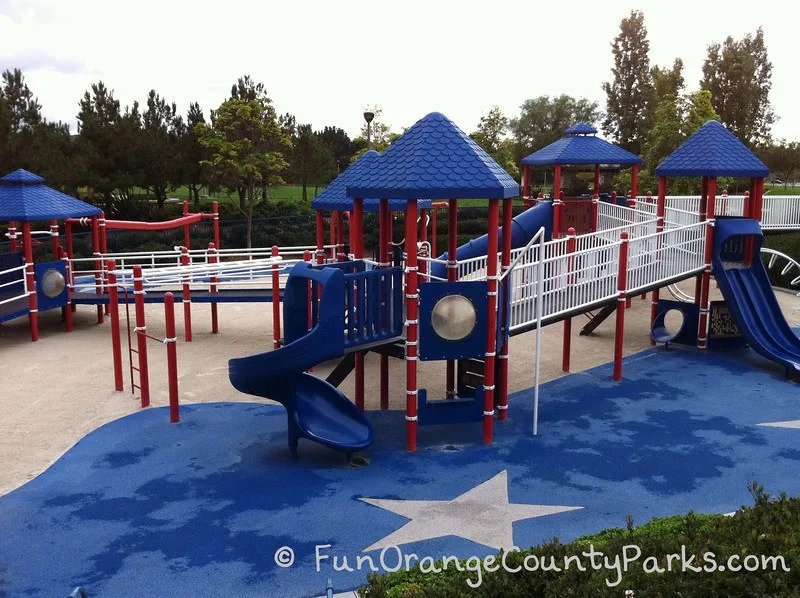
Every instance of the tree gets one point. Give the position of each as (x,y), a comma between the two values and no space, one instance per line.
(193,153)
(245,143)
(311,160)
(629,95)
(20,115)
(161,129)
(699,111)
(782,158)
(340,145)
(491,136)
(379,132)
(667,82)
(543,120)
(738,74)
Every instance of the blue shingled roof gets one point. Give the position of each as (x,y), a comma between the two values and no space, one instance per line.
(334,196)
(712,151)
(24,197)
(437,160)
(579,145)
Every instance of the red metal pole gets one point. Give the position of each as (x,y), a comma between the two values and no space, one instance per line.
(452,274)
(332,236)
(213,259)
(67,311)
(101,225)
(747,212)
(491,325)
(186,233)
(54,237)
(433,230)
(557,182)
(698,283)
(423,238)
(320,226)
(760,199)
(526,186)
(595,208)
(113,304)
(596,180)
(276,301)
(98,265)
(171,341)
(635,182)
(309,294)
(412,323)
(187,296)
(558,204)
(70,256)
(341,256)
(505,264)
(631,199)
(567,336)
(141,335)
(357,247)
(660,208)
(12,236)
(215,211)
(30,282)
(706,281)
(622,284)
(385,233)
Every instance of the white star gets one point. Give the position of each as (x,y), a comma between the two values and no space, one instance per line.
(482,515)
(795,424)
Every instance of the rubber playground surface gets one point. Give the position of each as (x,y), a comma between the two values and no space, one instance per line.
(142,507)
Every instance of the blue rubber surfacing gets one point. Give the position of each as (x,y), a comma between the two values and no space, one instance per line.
(142,507)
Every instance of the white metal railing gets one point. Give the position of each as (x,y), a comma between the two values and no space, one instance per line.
(781,212)
(664,256)
(22,279)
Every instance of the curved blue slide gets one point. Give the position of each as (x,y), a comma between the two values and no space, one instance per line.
(316,410)
(523,228)
(749,295)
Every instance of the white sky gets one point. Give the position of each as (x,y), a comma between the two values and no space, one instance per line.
(325,60)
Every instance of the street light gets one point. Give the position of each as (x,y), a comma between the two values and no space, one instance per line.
(368,116)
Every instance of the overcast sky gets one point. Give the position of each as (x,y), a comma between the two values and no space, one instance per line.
(325,60)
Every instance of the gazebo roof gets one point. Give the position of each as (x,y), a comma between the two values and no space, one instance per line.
(24,197)
(712,151)
(437,160)
(334,196)
(580,145)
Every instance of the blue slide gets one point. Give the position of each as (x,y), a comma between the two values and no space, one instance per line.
(316,410)
(749,295)
(523,228)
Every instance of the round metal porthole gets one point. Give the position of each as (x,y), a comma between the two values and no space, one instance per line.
(52,283)
(453,318)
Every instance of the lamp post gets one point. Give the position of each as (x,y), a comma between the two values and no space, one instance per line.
(368,116)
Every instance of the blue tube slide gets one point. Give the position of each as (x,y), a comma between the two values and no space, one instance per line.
(523,228)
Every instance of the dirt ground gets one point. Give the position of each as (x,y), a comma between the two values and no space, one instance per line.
(55,391)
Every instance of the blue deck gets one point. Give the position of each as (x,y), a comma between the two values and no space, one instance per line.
(142,507)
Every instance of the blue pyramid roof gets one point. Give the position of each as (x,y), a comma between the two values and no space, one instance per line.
(579,145)
(712,151)
(24,197)
(437,160)
(334,196)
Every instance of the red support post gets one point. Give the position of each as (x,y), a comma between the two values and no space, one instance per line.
(747,212)
(171,340)
(505,264)
(70,256)
(635,182)
(698,282)
(276,300)
(491,323)
(423,238)
(30,282)
(567,336)
(141,335)
(320,226)
(526,186)
(558,204)
(660,210)
(67,309)
(342,254)
(760,199)
(706,280)
(357,247)
(332,236)
(187,297)
(98,265)
(101,225)
(412,325)
(187,241)
(596,180)
(631,199)
(452,274)
(434,209)
(309,293)
(213,258)
(385,234)
(54,237)
(557,182)
(622,284)
(215,212)
(12,236)
(595,209)
(113,304)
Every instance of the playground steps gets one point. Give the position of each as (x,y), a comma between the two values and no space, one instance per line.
(470,375)
(342,370)
(598,319)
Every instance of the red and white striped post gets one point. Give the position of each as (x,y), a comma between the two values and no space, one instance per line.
(332,236)
(54,237)
(341,255)
(635,181)
(30,281)
(12,236)
(558,205)
(698,284)
(505,264)
(660,210)
(276,300)
(526,187)
(70,255)
(383,244)
(491,323)
(213,258)
(67,309)
(320,236)
(596,180)
(567,336)
(171,341)
(98,265)
(113,313)
(411,324)
(595,209)
(186,233)
(423,238)
(760,199)
(747,212)
(557,182)
(215,212)
(187,296)
(622,285)
(357,247)
(309,292)
(141,335)
(631,199)
(101,226)
(702,332)
(452,274)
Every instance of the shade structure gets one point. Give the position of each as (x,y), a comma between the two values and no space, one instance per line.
(712,151)
(334,196)
(24,198)
(434,159)
(580,145)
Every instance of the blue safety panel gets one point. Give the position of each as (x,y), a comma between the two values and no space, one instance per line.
(436,160)
(712,151)
(449,411)
(7,262)
(43,301)
(579,145)
(334,196)
(24,197)
(686,334)
(434,347)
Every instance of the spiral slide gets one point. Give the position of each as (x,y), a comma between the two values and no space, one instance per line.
(749,295)
(316,410)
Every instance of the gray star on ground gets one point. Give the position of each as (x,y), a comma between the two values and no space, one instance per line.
(794,424)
